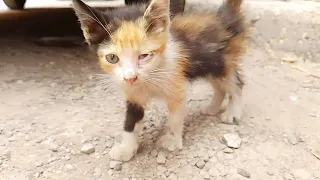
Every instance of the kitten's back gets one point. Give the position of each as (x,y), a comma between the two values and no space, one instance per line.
(212,40)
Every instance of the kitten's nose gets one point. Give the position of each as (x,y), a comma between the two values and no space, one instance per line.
(130,76)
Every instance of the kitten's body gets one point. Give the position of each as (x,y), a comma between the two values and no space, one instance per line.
(155,57)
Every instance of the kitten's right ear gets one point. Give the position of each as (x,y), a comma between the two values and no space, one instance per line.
(93,23)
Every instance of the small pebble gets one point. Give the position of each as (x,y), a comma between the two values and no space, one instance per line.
(213,172)
(200,164)
(97,172)
(232,140)
(87,148)
(116,165)
(53,148)
(270,172)
(204,174)
(161,159)
(228,150)
(110,172)
(243,173)
(154,153)
(6,155)
(293,139)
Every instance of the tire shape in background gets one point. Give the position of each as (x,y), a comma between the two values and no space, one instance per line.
(15,4)
(176,6)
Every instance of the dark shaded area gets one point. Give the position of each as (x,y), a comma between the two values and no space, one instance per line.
(39,23)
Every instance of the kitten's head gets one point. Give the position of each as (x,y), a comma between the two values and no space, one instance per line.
(130,41)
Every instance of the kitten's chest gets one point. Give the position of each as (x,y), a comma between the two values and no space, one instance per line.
(145,93)
(141,94)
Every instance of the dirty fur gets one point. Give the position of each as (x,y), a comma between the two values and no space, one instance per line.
(153,55)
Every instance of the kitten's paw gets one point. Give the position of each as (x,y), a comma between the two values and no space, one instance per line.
(171,142)
(122,152)
(230,118)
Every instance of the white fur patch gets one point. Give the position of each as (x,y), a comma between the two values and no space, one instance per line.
(129,145)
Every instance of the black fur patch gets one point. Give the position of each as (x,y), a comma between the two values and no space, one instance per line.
(134,113)
(206,53)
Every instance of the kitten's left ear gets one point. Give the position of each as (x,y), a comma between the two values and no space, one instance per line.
(157,16)
(93,22)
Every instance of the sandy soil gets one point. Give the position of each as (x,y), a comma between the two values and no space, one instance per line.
(50,107)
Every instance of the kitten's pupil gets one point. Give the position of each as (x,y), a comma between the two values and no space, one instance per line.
(112,58)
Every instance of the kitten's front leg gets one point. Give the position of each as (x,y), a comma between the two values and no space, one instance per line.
(130,140)
(172,140)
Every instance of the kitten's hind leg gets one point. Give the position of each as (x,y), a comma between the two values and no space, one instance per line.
(219,93)
(234,110)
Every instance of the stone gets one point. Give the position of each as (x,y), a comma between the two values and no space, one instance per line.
(293,139)
(87,148)
(232,140)
(154,153)
(243,173)
(116,165)
(302,174)
(161,159)
(213,172)
(110,172)
(54,148)
(228,150)
(270,172)
(204,174)
(97,172)
(6,155)
(200,164)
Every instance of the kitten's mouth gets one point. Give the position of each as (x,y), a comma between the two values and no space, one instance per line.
(131,81)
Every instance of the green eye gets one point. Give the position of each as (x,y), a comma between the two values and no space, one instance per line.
(112,58)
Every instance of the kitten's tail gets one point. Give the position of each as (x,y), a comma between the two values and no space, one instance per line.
(233,5)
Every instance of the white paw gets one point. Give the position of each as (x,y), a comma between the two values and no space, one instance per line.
(210,110)
(230,118)
(122,152)
(171,142)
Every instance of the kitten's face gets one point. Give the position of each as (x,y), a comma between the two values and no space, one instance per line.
(131,43)
(132,54)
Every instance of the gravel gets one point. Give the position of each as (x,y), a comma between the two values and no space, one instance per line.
(200,164)
(161,159)
(232,140)
(116,165)
(243,173)
(87,148)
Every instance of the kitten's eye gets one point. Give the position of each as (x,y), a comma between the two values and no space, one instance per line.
(143,56)
(112,58)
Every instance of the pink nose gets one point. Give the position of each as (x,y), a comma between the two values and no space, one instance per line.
(131,80)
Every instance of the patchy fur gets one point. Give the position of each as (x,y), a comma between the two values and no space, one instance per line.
(154,55)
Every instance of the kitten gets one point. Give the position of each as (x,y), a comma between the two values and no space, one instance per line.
(155,56)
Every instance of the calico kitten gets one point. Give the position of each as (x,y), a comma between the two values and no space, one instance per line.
(155,56)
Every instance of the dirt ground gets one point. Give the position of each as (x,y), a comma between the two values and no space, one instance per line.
(50,107)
